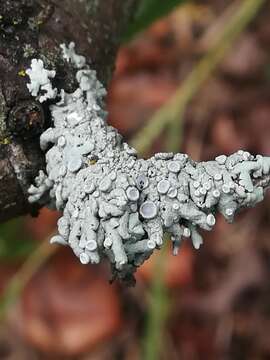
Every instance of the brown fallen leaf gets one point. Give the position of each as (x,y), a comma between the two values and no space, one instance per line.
(68,308)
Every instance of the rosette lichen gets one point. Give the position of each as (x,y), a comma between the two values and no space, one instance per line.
(118,206)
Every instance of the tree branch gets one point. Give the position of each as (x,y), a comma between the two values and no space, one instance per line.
(36,28)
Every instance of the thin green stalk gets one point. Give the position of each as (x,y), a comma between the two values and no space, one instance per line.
(174,109)
(158,311)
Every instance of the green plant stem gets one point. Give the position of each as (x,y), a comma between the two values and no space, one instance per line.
(158,310)
(174,109)
(24,275)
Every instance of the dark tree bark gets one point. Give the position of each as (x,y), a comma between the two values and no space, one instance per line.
(35,29)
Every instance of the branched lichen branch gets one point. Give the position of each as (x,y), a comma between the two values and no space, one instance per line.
(118,206)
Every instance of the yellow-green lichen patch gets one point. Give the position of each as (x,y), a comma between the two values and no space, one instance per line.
(22,73)
(5,141)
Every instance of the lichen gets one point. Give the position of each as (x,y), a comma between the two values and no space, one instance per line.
(118,206)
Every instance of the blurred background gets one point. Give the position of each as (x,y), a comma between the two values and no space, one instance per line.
(191,77)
